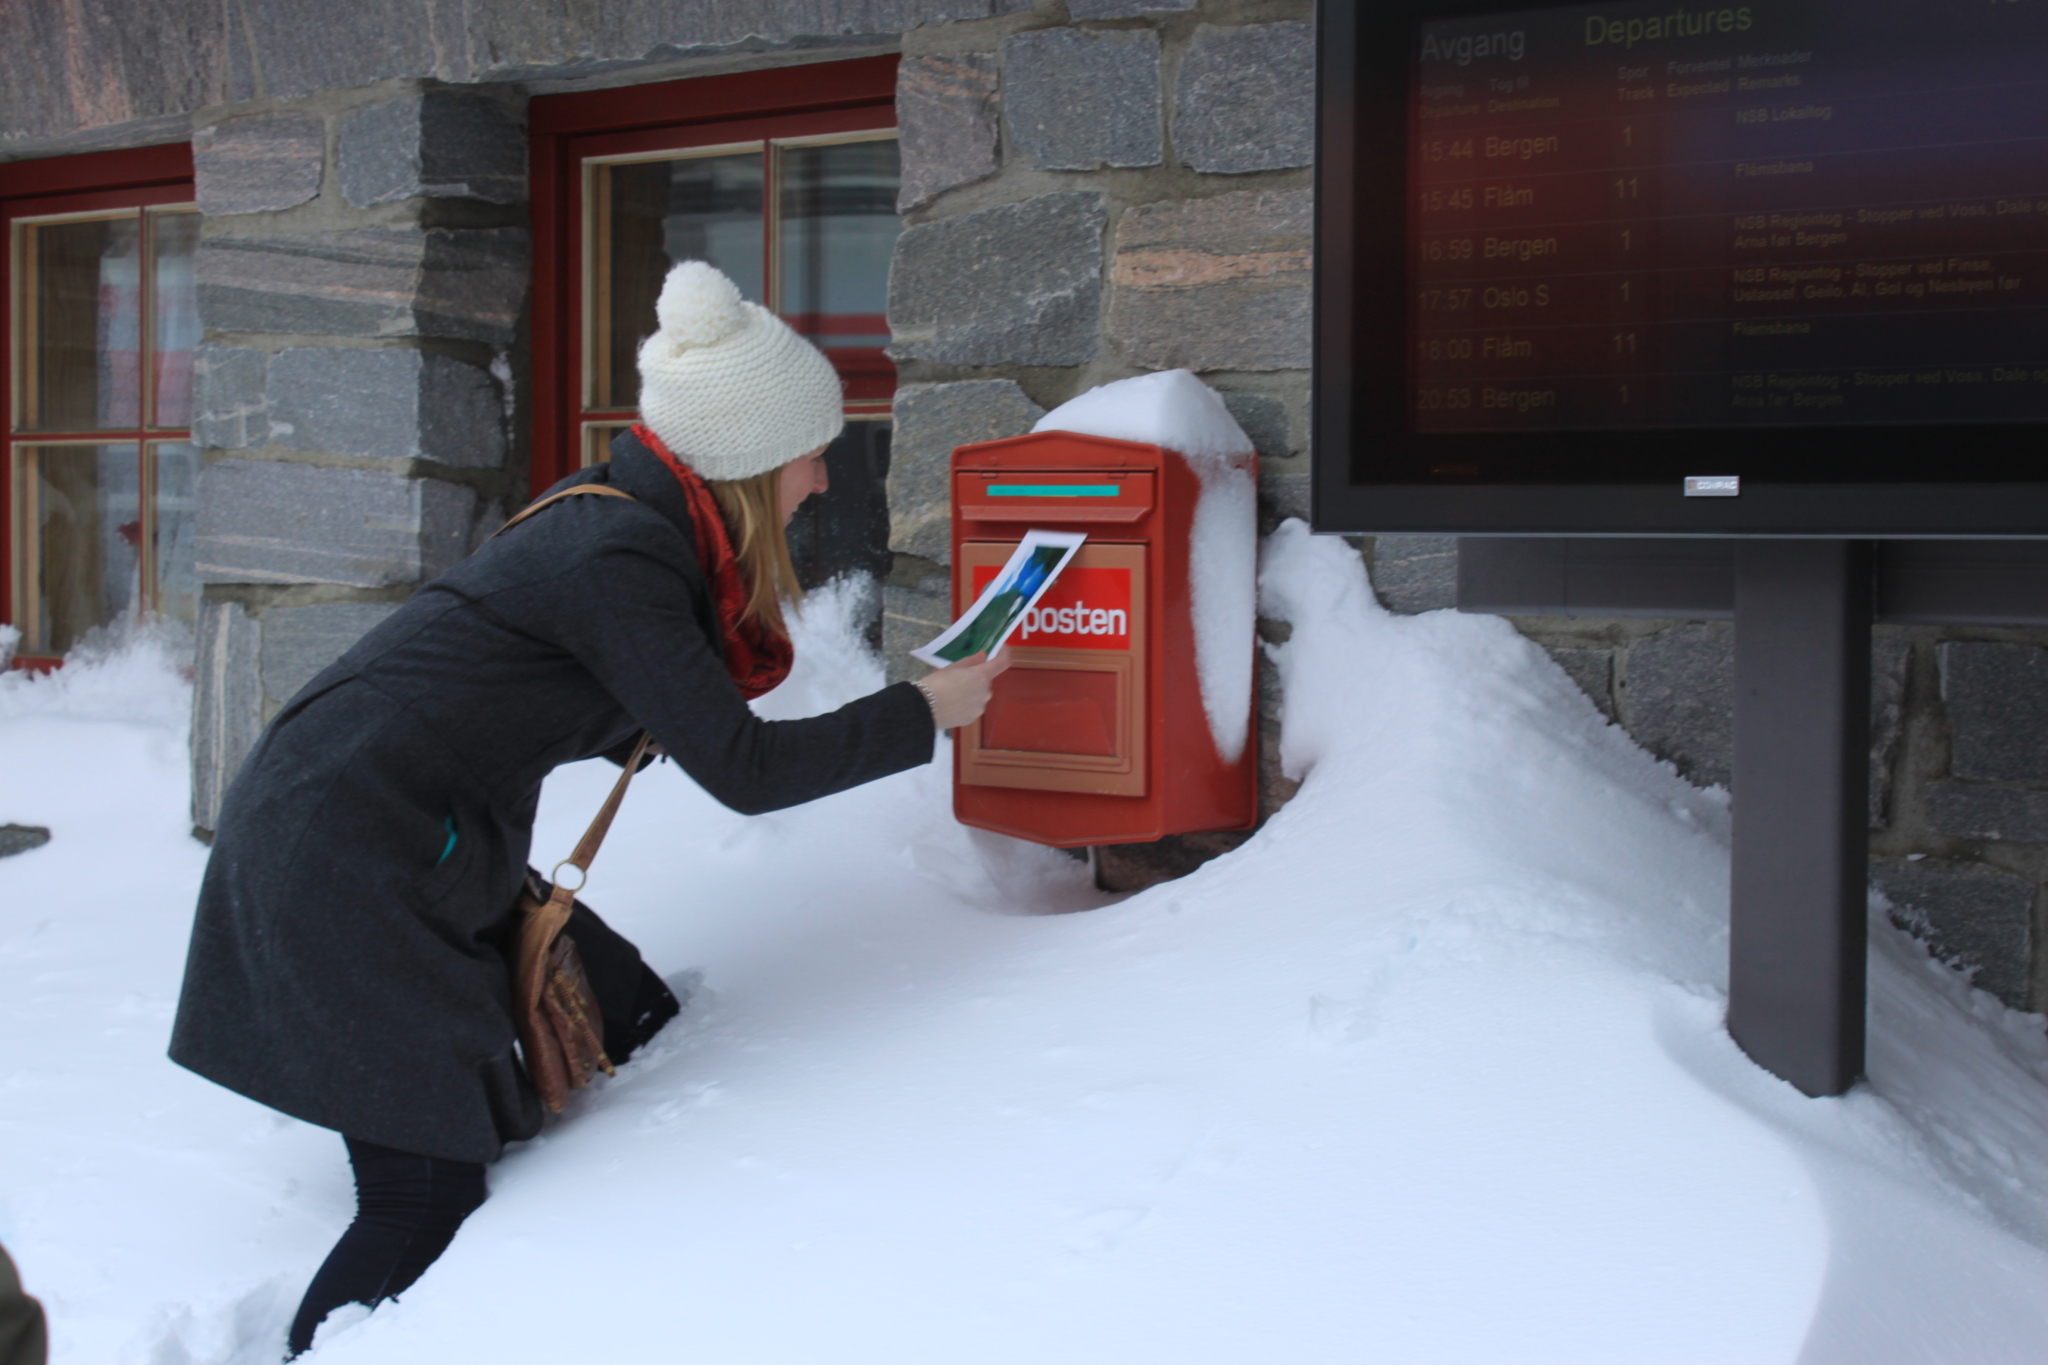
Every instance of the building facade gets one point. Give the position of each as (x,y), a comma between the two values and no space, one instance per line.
(303,302)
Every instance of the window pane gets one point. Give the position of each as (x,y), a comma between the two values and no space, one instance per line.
(846,529)
(597,441)
(175,239)
(651,214)
(78,366)
(176,504)
(839,228)
(79,528)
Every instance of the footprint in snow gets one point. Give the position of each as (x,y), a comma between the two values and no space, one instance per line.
(1098,1233)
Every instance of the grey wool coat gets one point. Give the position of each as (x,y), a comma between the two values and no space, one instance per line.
(347,962)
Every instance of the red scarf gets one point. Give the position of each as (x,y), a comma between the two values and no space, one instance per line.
(756,656)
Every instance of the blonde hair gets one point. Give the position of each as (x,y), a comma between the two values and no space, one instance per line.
(752,509)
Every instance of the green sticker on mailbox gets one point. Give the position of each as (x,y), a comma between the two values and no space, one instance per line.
(1054,490)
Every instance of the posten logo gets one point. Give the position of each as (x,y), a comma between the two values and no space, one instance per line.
(1085,609)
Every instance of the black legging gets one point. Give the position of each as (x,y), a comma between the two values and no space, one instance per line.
(408,1207)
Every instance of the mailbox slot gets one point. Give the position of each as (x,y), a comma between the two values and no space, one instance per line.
(1067,716)
(1041,499)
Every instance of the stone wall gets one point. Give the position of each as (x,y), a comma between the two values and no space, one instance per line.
(87,74)
(362,277)
(1092,191)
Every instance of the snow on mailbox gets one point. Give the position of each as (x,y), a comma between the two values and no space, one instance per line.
(1127,713)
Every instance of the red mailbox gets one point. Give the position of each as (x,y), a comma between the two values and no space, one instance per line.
(1097,734)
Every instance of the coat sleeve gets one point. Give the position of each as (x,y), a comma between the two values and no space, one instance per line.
(631,616)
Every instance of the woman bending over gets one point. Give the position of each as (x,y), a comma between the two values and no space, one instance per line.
(349,962)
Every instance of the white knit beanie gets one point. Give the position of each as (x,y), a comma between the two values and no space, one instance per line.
(729,388)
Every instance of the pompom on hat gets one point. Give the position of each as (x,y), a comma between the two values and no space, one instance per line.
(728,387)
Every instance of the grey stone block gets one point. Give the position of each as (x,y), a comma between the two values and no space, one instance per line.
(21,838)
(1276,788)
(1970,916)
(93,63)
(1133,867)
(1592,670)
(1889,661)
(258,164)
(230,410)
(462,414)
(1081,10)
(1019,284)
(1968,810)
(913,613)
(946,124)
(269,522)
(1678,698)
(397,404)
(932,420)
(1245,99)
(440,144)
(298,642)
(1264,419)
(227,704)
(239,69)
(1078,101)
(1215,284)
(467,284)
(302,47)
(1282,496)
(473,284)
(1997,697)
(90,64)
(1415,573)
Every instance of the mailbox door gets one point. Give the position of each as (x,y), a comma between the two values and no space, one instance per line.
(1070,714)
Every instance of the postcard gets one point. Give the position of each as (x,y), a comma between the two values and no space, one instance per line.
(1027,575)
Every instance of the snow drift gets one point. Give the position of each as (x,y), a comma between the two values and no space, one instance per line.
(1430,1071)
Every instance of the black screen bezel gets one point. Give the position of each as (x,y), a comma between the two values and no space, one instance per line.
(1373,474)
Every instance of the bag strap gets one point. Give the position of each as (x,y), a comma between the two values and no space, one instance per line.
(593,838)
(553,498)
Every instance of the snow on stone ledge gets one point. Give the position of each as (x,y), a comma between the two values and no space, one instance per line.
(1178,411)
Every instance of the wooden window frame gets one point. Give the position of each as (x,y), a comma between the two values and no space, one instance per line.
(812,103)
(95,182)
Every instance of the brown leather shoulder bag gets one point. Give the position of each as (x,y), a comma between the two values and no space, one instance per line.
(561,1031)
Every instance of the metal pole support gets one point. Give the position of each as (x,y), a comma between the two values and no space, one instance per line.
(1796,951)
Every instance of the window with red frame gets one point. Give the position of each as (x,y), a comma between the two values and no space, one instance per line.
(786,180)
(97,491)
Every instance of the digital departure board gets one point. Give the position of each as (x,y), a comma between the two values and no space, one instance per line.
(1754,215)
(1795,243)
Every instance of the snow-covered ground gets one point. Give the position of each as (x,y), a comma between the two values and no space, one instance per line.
(1431,1071)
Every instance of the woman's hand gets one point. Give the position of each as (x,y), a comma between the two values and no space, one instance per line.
(959,692)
